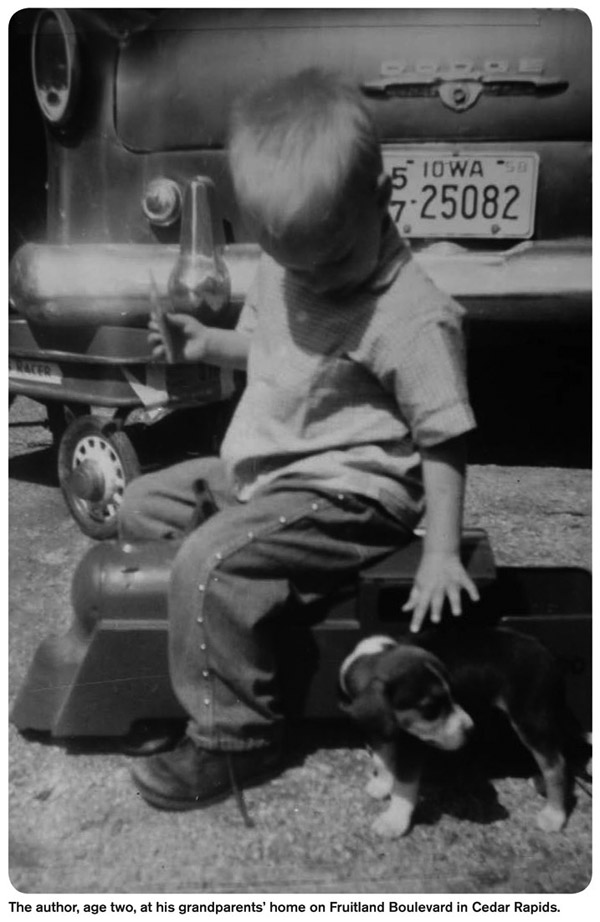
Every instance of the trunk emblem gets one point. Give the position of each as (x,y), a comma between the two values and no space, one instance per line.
(460,84)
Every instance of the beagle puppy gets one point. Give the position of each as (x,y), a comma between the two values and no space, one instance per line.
(430,689)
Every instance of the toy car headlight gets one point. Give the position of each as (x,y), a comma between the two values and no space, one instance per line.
(55,65)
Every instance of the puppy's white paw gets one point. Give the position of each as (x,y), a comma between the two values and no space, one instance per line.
(395,822)
(379,786)
(538,784)
(551,819)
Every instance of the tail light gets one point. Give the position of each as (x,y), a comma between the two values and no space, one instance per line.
(55,65)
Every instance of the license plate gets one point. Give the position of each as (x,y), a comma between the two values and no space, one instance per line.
(34,370)
(462,194)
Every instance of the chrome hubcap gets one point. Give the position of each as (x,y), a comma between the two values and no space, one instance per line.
(98,480)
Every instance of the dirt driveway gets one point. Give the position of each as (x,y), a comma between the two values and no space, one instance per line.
(77,826)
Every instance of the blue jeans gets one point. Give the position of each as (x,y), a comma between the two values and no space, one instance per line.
(235,573)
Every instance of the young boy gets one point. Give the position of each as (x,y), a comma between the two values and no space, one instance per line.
(352,422)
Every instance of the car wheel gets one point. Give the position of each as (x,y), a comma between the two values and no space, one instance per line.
(95,463)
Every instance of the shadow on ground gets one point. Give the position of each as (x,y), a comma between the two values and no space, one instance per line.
(531,390)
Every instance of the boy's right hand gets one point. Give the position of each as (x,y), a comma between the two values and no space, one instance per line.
(187,338)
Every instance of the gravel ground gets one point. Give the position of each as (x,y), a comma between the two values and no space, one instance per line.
(77,826)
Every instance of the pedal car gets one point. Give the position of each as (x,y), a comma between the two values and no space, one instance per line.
(108,674)
(485,121)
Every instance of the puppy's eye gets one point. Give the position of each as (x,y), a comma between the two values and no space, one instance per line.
(431,709)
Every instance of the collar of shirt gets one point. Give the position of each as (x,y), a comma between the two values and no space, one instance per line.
(393,254)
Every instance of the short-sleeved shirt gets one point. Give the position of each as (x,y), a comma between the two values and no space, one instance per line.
(345,392)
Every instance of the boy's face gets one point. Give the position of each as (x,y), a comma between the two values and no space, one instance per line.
(343,255)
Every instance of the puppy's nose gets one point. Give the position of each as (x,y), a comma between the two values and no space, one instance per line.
(467,724)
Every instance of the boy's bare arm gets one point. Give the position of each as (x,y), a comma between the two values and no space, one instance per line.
(192,341)
(441,575)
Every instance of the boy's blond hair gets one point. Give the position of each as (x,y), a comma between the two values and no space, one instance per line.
(300,149)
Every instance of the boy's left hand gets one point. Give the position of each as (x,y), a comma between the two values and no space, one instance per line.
(440,577)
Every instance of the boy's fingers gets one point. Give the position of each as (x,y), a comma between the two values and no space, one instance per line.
(454,599)
(412,600)
(417,620)
(436,604)
(419,604)
(179,320)
(471,589)
(419,610)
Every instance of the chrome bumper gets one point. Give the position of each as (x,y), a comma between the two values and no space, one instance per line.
(91,285)
(531,281)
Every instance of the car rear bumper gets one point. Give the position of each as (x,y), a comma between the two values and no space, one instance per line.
(87,285)
(530,282)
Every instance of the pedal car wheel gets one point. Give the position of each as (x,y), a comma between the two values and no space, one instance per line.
(94,466)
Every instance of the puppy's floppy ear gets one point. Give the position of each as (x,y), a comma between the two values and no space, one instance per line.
(372,710)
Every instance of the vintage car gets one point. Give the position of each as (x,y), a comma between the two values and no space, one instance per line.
(485,121)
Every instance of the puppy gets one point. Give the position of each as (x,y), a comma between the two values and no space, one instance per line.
(429,690)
